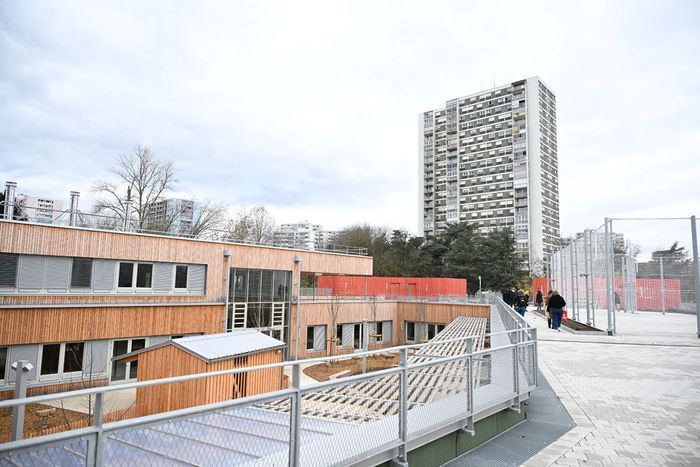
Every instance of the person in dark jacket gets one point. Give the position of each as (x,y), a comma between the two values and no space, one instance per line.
(555,306)
(538,300)
(521,300)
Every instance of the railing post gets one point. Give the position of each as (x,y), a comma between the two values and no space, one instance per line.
(402,458)
(95,453)
(574,278)
(469,428)
(295,416)
(533,338)
(588,258)
(22,369)
(516,374)
(663,288)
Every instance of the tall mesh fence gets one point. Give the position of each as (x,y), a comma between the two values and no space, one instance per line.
(621,276)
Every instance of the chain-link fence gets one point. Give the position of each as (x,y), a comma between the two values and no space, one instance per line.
(624,275)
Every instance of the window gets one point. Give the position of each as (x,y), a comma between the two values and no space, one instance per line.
(125,371)
(180,277)
(8,269)
(379,333)
(316,338)
(339,335)
(357,336)
(81,273)
(3,362)
(141,275)
(144,276)
(410,331)
(310,337)
(60,359)
(126,274)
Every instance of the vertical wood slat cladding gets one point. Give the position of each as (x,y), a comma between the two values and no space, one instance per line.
(35,325)
(316,313)
(37,239)
(170,361)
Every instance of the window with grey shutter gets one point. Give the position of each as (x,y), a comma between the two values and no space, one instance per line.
(8,270)
(31,272)
(81,274)
(103,275)
(57,273)
(162,277)
(197,278)
(387,332)
(320,338)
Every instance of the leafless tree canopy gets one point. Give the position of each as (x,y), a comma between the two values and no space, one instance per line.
(254,225)
(147,177)
(210,215)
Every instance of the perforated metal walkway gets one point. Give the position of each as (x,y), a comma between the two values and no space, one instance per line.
(547,420)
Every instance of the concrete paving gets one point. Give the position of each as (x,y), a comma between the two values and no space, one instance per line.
(634,397)
(117,400)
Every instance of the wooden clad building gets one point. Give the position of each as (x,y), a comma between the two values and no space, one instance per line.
(204,354)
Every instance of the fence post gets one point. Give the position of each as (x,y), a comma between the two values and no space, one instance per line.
(295,416)
(22,369)
(696,267)
(402,458)
(587,274)
(609,275)
(574,278)
(663,288)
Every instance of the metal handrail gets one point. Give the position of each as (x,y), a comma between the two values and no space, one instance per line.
(116,224)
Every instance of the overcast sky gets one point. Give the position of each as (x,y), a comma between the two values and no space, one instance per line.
(311,108)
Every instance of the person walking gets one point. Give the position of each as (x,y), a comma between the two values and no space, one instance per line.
(548,313)
(555,305)
(538,300)
(521,301)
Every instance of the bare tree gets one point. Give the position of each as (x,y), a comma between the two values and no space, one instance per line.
(373,313)
(422,315)
(208,215)
(142,178)
(254,225)
(334,313)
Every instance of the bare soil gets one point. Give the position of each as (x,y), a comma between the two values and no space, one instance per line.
(34,422)
(573,325)
(323,371)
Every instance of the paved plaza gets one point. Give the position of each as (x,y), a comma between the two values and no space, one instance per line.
(635,396)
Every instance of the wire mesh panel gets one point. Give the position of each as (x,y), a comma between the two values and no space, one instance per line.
(495,378)
(436,394)
(69,453)
(367,409)
(527,360)
(224,437)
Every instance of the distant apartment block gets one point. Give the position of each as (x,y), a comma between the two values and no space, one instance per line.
(490,158)
(172,215)
(40,209)
(303,235)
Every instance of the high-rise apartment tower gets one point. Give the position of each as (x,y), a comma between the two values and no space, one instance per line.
(490,158)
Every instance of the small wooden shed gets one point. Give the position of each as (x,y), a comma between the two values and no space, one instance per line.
(200,354)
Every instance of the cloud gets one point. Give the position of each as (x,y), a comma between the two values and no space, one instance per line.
(311,107)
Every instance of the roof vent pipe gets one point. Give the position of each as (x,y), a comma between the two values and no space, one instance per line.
(9,199)
(74,195)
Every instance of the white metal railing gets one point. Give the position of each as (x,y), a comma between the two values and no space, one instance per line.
(327,294)
(495,378)
(80,219)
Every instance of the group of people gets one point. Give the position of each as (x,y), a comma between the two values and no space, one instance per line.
(554,304)
(518,299)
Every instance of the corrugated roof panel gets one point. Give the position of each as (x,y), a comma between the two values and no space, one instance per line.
(228,344)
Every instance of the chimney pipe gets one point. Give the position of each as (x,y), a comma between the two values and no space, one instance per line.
(74,196)
(9,199)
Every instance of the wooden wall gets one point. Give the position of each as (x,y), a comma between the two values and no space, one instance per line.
(169,360)
(38,325)
(316,313)
(41,239)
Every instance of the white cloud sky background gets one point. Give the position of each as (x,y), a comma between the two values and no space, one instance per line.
(311,108)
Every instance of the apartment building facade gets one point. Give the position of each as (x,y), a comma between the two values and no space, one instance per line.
(72,299)
(40,208)
(490,158)
(172,215)
(303,235)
